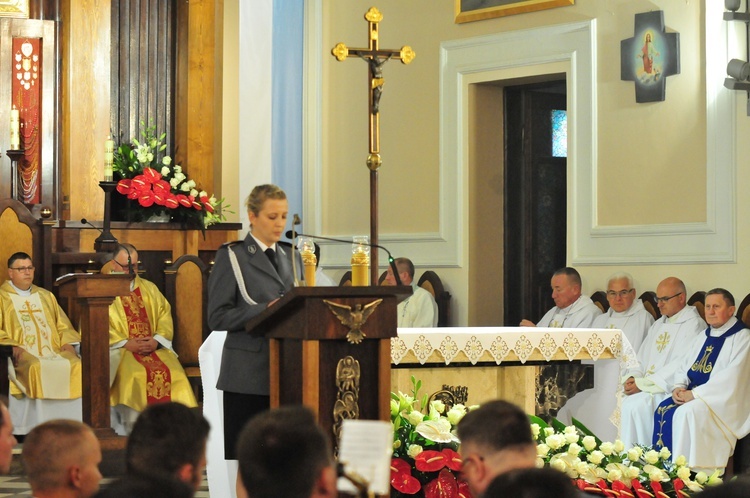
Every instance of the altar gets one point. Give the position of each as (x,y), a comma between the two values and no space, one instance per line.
(495,362)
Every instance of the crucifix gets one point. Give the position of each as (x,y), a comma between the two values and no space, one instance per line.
(376,59)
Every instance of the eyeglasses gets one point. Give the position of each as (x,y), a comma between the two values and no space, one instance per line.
(665,299)
(23,269)
(122,265)
(621,294)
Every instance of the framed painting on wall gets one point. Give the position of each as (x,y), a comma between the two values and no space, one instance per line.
(14,8)
(477,10)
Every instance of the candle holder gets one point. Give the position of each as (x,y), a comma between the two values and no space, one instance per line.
(15,155)
(106,242)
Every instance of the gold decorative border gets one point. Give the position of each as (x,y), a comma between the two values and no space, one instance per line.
(14,8)
(504,8)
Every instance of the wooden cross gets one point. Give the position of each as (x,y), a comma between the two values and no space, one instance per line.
(376,59)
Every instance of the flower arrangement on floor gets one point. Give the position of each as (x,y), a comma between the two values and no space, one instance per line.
(157,188)
(425,461)
(609,469)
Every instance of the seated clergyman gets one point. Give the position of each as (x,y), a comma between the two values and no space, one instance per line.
(572,310)
(45,360)
(665,347)
(419,309)
(143,366)
(710,402)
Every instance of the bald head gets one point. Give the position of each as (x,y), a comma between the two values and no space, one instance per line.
(671,296)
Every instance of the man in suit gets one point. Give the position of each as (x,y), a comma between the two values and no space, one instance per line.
(248,277)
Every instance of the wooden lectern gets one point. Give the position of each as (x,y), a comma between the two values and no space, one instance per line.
(94,293)
(316,359)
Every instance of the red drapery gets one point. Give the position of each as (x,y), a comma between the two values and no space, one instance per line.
(26,92)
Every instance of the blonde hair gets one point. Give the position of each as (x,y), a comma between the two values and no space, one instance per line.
(260,194)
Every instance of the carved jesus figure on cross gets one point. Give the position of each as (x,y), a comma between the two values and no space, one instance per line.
(375,58)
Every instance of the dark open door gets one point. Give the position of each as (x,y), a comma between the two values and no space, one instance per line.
(535,198)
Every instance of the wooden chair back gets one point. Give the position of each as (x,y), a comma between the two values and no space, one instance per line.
(649,302)
(186,290)
(698,299)
(346,279)
(430,282)
(22,232)
(600,300)
(743,310)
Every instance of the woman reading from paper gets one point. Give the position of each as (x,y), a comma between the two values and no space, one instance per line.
(248,276)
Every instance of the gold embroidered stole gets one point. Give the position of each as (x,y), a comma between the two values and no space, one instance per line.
(36,338)
(158,376)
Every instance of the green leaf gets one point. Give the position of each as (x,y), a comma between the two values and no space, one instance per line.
(557,425)
(538,421)
(586,431)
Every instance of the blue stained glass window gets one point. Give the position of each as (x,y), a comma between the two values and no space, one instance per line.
(559,133)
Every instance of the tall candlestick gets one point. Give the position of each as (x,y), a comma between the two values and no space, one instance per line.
(109,158)
(15,135)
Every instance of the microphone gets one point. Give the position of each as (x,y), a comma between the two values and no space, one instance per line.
(87,222)
(392,262)
(131,271)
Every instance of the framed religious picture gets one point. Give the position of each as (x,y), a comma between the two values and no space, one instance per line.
(14,8)
(477,10)
(649,57)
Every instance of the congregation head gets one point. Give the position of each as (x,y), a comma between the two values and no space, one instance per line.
(495,438)
(168,440)
(566,286)
(283,452)
(531,483)
(62,458)
(7,439)
(620,291)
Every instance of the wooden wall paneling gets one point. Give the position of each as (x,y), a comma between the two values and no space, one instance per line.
(85,95)
(142,52)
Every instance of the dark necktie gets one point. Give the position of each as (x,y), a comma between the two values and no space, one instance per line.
(272,257)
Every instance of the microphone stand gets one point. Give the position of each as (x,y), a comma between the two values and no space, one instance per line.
(295,221)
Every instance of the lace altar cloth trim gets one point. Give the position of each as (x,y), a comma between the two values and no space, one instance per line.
(499,344)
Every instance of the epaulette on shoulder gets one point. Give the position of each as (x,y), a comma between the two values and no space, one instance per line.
(230,244)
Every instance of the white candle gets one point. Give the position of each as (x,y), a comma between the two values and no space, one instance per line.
(15,135)
(109,157)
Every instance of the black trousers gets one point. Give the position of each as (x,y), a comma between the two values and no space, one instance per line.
(238,409)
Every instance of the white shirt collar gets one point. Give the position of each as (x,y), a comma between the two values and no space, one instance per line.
(263,247)
(20,292)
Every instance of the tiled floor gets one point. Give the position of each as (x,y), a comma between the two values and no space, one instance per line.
(17,486)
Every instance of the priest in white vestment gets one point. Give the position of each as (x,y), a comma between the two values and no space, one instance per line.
(595,407)
(666,345)
(710,404)
(572,310)
(419,309)
(46,372)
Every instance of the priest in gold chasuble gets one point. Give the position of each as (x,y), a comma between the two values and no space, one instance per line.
(46,365)
(144,368)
